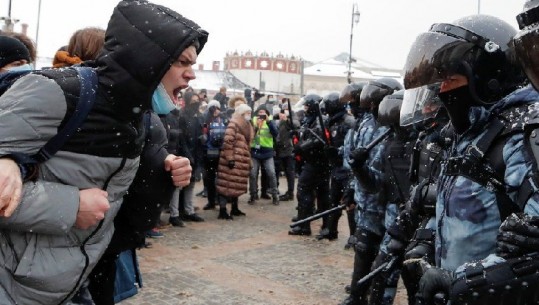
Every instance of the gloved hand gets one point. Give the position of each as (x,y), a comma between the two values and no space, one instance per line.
(518,235)
(296,150)
(359,156)
(396,247)
(434,286)
(332,152)
(231,164)
(348,198)
(403,227)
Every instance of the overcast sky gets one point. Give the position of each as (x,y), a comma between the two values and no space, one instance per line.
(312,29)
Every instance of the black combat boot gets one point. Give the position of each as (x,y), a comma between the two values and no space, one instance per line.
(303,229)
(287,196)
(300,230)
(327,234)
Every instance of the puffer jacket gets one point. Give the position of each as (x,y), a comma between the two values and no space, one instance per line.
(233,182)
(43,257)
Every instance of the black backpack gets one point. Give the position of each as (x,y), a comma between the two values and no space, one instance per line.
(88,89)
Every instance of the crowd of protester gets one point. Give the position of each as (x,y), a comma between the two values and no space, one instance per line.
(102,144)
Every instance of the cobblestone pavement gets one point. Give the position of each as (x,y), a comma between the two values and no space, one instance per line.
(250,260)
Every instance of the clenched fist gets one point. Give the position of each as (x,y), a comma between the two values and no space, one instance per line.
(10,186)
(180,170)
(92,207)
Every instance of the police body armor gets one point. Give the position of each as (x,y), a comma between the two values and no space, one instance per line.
(514,281)
(338,127)
(397,168)
(312,143)
(483,161)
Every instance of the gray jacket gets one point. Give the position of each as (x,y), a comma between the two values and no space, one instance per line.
(43,257)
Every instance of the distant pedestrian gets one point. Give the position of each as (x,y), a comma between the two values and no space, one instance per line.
(235,161)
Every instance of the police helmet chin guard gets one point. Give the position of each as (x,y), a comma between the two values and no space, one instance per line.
(477,46)
(525,42)
(420,106)
(375,91)
(390,108)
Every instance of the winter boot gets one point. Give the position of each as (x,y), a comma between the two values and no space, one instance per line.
(287,196)
(223,214)
(209,206)
(235,211)
(275,199)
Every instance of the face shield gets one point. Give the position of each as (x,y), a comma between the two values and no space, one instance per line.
(526,45)
(420,105)
(439,53)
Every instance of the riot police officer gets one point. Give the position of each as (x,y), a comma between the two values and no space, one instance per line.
(370,222)
(490,172)
(313,182)
(412,233)
(339,122)
(350,95)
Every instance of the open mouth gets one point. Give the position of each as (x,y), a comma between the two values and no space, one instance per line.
(176,93)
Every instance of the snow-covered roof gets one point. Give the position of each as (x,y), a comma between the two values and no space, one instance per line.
(332,67)
(213,80)
(338,67)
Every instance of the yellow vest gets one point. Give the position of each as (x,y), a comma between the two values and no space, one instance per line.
(263,137)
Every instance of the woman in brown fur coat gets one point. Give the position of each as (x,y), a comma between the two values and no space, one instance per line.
(235,161)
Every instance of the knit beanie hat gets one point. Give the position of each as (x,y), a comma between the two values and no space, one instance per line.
(262,107)
(11,49)
(243,108)
(214,103)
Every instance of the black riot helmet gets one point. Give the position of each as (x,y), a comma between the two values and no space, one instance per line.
(526,41)
(375,91)
(477,46)
(390,108)
(312,101)
(331,104)
(350,93)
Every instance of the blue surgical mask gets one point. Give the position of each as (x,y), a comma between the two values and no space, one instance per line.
(161,102)
(25,67)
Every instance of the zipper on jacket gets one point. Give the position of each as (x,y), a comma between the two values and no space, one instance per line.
(82,246)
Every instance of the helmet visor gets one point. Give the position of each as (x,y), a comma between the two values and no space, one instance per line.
(420,104)
(433,57)
(527,52)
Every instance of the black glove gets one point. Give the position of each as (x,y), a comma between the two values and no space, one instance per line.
(332,152)
(348,197)
(518,235)
(231,164)
(434,286)
(359,156)
(396,247)
(296,150)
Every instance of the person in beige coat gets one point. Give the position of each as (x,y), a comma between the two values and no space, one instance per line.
(235,161)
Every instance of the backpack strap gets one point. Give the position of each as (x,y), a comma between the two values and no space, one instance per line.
(88,87)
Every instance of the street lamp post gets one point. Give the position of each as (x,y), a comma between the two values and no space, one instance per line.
(355,20)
